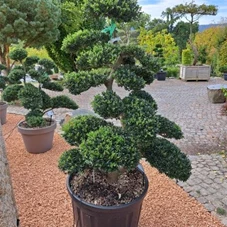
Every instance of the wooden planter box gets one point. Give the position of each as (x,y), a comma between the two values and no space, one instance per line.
(195,72)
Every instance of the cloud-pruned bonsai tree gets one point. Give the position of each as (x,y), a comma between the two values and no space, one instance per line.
(32,95)
(100,145)
(192,12)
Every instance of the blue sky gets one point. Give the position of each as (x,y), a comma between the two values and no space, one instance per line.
(155,8)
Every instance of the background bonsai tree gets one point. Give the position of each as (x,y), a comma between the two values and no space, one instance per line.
(31,95)
(101,146)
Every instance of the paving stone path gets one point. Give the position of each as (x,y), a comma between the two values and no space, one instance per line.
(204,128)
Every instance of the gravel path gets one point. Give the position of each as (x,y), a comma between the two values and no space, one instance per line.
(42,199)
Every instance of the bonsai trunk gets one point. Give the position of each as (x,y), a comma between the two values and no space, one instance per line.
(4,59)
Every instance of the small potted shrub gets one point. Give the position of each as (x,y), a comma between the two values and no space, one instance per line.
(37,130)
(3,105)
(105,180)
(158,53)
(223,70)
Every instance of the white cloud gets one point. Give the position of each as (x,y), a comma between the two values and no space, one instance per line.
(156,9)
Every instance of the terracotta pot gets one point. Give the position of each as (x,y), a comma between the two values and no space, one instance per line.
(90,215)
(3,112)
(37,140)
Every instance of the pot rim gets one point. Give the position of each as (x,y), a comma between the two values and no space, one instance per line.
(37,129)
(121,206)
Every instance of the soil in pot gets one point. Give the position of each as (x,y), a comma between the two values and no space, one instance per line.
(103,204)
(130,186)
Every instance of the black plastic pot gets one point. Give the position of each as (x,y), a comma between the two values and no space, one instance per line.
(161,76)
(225,76)
(90,215)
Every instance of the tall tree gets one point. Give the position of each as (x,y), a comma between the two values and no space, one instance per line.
(192,12)
(157,25)
(129,31)
(171,18)
(35,22)
(74,18)
(181,34)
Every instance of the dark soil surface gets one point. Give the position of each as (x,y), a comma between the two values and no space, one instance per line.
(130,185)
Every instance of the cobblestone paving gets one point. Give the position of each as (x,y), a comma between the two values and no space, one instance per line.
(204,128)
(208,183)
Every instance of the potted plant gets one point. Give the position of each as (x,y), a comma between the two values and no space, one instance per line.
(192,12)
(3,105)
(158,53)
(37,130)
(105,183)
(223,70)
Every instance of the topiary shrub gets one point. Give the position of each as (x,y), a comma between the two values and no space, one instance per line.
(107,148)
(32,96)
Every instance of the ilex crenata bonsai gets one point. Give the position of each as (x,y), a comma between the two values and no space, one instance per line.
(100,145)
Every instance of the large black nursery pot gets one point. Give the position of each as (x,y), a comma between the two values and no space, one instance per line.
(161,75)
(37,140)
(3,112)
(90,215)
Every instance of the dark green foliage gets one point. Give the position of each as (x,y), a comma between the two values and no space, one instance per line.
(53,86)
(30,62)
(46,101)
(46,63)
(168,128)
(77,82)
(121,11)
(34,74)
(110,148)
(223,69)
(11,92)
(145,96)
(78,41)
(173,71)
(15,75)
(18,54)
(139,119)
(83,80)
(30,97)
(2,83)
(168,159)
(106,149)
(108,105)
(63,101)
(158,53)
(97,57)
(35,118)
(77,129)
(126,77)
(72,161)
(2,67)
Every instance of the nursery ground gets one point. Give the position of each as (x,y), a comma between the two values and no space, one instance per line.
(42,199)
(203,125)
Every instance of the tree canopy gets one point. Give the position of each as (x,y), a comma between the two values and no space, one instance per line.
(35,22)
